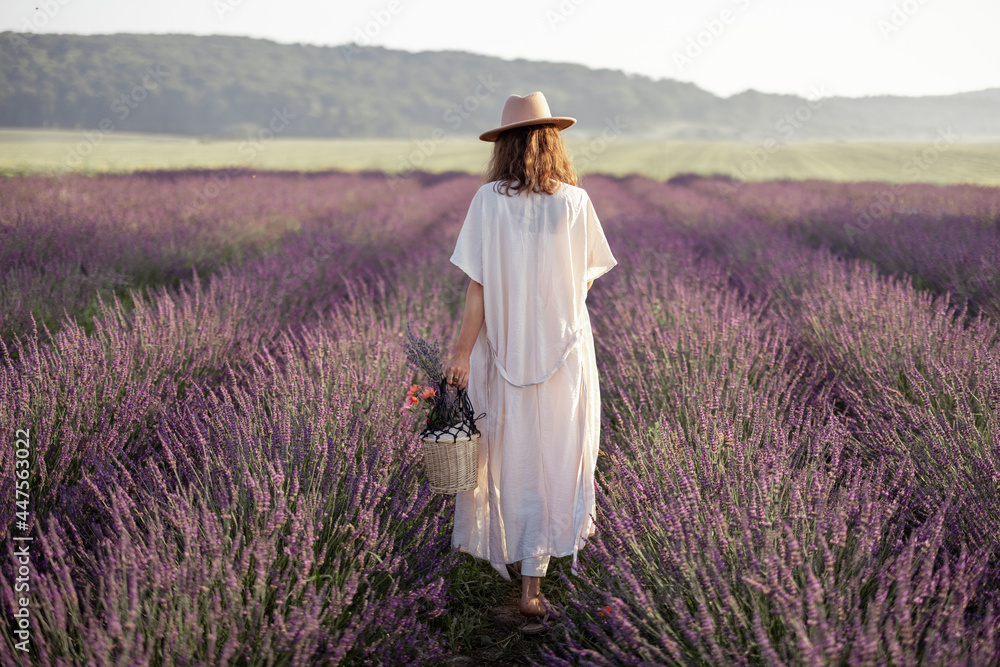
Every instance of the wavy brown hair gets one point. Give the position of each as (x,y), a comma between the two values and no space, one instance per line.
(534,156)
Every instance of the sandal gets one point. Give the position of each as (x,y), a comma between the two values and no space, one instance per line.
(533,628)
(533,624)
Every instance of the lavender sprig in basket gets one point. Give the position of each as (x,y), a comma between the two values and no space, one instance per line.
(449,435)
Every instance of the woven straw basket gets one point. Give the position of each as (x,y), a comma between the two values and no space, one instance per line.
(451,459)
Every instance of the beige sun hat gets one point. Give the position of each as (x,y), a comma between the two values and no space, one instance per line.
(531,109)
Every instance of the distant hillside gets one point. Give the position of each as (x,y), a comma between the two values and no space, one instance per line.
(230,86)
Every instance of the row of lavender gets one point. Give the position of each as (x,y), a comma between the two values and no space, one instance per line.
(221,472)
(237,449)
(946,238)
(67,242)
(806,459)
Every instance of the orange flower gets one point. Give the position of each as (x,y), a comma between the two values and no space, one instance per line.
(414,388)
(409,402)
(603,614)
(428,392)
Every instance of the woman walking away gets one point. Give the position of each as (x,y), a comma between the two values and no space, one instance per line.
(532,245)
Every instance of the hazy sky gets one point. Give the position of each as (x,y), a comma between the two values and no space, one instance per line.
(849,47)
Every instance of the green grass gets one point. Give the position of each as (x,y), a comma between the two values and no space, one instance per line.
(26,151)
(479,635)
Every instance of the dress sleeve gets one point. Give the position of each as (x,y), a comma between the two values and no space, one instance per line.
(599,257)
(468,254)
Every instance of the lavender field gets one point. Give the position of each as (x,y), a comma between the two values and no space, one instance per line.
(800,438)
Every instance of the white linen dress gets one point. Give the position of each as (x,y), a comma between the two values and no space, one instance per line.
(533,371)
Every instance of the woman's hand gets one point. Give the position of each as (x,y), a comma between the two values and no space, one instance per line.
(456,372)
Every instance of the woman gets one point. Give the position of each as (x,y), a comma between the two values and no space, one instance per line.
(532,245)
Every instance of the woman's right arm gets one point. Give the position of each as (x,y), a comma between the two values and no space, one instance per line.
(589,283)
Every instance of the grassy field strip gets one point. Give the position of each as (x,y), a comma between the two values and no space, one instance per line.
(52,151)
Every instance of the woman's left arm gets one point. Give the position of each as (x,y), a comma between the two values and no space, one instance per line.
(472,322)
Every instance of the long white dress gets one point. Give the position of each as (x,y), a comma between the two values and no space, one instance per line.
(533,371)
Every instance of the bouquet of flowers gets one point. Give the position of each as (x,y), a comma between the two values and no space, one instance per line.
(420,401)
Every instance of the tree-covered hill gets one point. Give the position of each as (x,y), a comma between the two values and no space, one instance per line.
(229,86)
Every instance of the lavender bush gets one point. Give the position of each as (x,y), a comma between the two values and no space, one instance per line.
(743,525)
(68,240)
